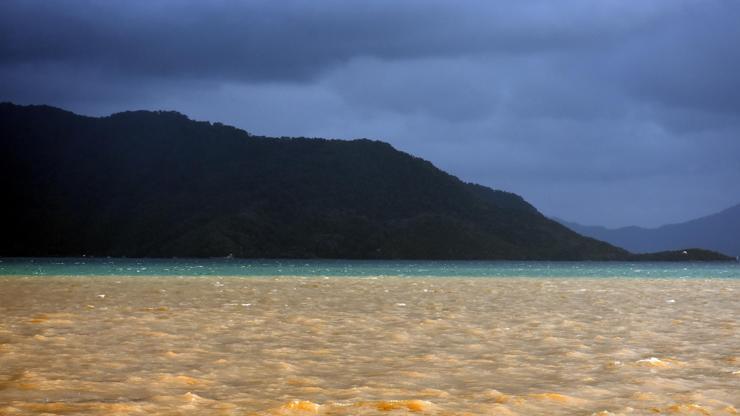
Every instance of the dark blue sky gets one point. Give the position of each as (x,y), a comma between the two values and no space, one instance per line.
(602,112)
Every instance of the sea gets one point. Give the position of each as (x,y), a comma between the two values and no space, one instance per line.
(364,268)
(99,336)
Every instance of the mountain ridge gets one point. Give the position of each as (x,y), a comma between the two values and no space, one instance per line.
(157,184)
(717,232)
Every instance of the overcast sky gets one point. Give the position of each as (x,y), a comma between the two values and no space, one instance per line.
(601,112)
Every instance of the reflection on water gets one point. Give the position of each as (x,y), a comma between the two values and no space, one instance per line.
(348,346)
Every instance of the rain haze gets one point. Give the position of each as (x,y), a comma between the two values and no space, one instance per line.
(611,113)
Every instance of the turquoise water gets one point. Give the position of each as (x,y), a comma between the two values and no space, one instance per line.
(239,267)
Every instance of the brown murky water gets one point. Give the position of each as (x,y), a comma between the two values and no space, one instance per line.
(353,346)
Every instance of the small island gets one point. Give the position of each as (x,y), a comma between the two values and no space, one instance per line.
(691,254)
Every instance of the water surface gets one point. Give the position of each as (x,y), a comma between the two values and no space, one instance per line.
(400,268)
(384,344)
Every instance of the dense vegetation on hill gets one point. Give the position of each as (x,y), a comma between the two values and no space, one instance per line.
(156,184)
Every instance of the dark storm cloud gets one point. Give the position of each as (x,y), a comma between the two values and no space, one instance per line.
(606,112)
(284,40)
(692,62)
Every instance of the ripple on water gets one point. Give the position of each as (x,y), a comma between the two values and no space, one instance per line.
(387,346)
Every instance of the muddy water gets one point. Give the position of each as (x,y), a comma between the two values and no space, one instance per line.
(351,346)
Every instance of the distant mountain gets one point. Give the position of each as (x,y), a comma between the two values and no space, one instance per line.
(157,184)
(718,232)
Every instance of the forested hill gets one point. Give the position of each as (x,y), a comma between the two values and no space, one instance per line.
(156,184)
